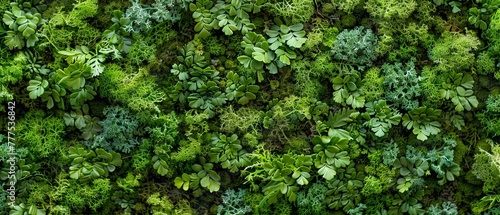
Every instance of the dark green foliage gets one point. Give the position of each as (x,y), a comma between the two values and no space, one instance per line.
(280,107)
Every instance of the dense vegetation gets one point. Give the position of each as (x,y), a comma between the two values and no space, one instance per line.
(251,107)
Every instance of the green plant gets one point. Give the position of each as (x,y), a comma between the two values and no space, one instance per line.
(89,165)
(117,131)
(411,172)
(347,90)
(406,203)
(23,20)
(402,85)
(294,10)
(228,15)
(480,17)
(424,122)
(356,46)
(117,34)
(229,152)
(233,203)
(345,189)
(204,176)
(198,83)
(446,208)
(312,201)
(458,88)
(453,51)
(331,154)
(391,9)
(80,118)
(383,117)
(241,88)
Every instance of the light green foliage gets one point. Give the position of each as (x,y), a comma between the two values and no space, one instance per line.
(487,204)
(446,208)
(42,134)
(297,11)
(138,91)
(188,150)
(485,64)
(228,152)
(424,122)
(241,120)
(94,196)
(306,85)
(204,175)
(347,90)
(441,161)
(89,165)
(379,177)
(458,88)
(345,189)
(487,167)
(23,20)
(233,203)
(129,183)
(390,153)
(162,205)
(390,9)
(453,51)
(430,84)
(345,5)
(117,131)
(312,201)
(11,72)
(356,46)
(198,83)
(372,86)
(241,88)
(330,36)
(141,51)
(380,118)
(402,85)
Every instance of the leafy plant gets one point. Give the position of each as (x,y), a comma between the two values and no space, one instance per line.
(241,88)
(331,154)
(117,131)
(480,17)
(89,165)
(198,83)
(424,122)
(383,117)
(204,176)
(117,34)
(80,118)
(24,20)
(229,152)
(459,90)
(411,172)
(285,174)
(347,90)
(345,189)
(407,204)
